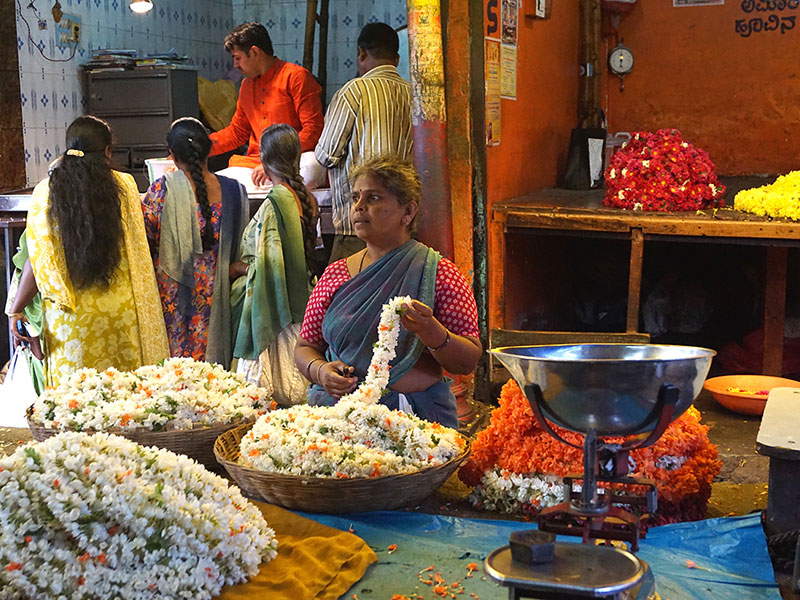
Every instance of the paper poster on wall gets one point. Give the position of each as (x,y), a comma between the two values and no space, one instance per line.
(508,71)
(509,19)
(492,92)
(697,2)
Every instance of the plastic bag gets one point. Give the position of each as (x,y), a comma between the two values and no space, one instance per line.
(17,392)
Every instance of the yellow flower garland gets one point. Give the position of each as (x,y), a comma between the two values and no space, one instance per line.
(779,199)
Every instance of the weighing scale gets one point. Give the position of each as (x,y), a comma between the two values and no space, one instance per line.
(598,390)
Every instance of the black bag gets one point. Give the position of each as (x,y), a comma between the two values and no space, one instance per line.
(586,150)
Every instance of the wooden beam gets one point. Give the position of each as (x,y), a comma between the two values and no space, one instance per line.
(635,280)
(774,310)
(311,26)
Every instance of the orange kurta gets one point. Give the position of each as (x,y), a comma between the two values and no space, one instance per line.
(286,93)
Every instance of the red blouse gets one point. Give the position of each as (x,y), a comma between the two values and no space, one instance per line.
(453,302)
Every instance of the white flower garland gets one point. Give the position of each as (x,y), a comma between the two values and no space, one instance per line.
(377,378)
(178,393)
(91,517)
(503,491)
(356,437)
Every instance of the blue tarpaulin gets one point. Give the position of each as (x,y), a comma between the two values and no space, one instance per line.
(730,555)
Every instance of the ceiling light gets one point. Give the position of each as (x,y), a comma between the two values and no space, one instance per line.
(141,6)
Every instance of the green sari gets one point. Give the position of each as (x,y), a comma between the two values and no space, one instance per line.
(268,304)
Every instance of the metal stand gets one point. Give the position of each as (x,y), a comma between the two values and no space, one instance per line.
(587,514)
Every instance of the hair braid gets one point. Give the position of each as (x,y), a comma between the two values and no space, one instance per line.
(308,217)
(201,193)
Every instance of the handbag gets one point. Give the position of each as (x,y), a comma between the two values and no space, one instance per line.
(17,392)
(584,168)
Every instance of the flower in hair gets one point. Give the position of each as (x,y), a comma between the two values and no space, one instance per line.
(75,152)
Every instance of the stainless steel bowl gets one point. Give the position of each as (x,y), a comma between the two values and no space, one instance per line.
(610,388)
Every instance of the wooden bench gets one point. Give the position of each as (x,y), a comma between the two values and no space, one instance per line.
(779,439)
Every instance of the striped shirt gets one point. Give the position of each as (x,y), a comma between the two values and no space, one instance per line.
(368,116)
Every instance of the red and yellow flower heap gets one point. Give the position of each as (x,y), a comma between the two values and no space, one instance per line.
(659,171)
(513,442)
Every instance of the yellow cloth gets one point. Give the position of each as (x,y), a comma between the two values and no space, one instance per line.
(121,326)
(217,101)
(314,561)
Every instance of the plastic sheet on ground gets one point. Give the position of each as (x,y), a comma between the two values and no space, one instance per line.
(730,555)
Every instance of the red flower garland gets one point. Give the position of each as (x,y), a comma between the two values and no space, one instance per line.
(514,441)
(662,172)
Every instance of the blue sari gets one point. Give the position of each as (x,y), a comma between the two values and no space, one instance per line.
(350,327)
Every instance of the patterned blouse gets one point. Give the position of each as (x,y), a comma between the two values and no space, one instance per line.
(453,302)
(187,333)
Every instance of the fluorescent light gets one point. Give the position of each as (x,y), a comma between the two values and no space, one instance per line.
(141,6)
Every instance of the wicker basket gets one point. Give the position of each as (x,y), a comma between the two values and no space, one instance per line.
(194,443)
(328,495)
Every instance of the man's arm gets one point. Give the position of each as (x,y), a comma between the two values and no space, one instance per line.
(340,119)
(238,132)
(308,104)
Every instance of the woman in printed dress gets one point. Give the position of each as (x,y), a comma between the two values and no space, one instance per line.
(440,327)
(194,220)
(277,249)
(88,257)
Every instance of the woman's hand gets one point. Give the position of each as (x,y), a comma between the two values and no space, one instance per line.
(336,377)
(259,177)
(16,322)
(419,319)
(237,269)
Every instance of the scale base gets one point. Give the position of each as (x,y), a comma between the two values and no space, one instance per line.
(577,571)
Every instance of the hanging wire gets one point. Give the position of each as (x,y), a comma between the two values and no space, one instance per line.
(30,37)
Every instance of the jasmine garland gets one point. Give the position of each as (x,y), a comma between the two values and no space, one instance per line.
(96,517)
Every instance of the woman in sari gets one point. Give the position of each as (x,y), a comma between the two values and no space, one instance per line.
(88,258)
(440,326)
(277,249)
(194,220)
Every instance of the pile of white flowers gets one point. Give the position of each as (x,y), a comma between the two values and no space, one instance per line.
(357,437)
(348,439)
(178,393)
(507,492)
(89,517)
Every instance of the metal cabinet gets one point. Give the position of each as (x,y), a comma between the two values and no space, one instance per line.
(140,105)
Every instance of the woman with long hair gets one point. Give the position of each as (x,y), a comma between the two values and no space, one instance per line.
(277,251)
(194,220)
(88,258)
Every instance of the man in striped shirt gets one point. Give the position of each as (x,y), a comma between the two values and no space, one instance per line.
(368,116)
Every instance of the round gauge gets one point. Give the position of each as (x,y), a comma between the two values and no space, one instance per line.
(620,61)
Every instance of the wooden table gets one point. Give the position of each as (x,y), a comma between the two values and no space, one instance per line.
(581,213)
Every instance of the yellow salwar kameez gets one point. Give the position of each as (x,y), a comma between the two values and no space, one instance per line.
(119,326)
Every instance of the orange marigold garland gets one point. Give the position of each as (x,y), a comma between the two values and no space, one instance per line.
(516,466)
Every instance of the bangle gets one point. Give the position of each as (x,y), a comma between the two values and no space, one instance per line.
(308,366)
(324,362)
(20,315)
(443,344)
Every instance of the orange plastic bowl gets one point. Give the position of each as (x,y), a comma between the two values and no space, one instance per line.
(753,391)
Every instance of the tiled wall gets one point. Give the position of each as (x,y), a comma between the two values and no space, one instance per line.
(51,92)
(285,21)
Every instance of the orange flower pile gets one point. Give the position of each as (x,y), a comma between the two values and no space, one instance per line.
(513,441)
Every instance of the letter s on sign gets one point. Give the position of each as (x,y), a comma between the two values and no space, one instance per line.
(491,17)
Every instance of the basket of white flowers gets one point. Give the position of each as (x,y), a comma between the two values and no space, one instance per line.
(350,457)
(179,404)
(98,516)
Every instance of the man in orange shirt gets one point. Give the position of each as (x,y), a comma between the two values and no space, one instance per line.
(273,91)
